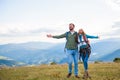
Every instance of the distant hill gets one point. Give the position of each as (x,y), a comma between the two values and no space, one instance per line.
(4,61)
(33,52)
(111,56)
(104,47)
(44,53)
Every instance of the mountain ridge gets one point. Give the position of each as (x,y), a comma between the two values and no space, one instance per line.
(43,53)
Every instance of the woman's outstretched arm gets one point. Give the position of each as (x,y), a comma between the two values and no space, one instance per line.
(92,37)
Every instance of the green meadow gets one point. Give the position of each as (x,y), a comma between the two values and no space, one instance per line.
(98,71)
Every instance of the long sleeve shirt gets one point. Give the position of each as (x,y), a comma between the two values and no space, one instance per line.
(82,42)
(71,42)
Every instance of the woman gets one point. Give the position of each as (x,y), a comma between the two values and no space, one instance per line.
(85,50)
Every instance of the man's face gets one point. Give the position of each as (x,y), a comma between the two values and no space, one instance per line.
(71,27)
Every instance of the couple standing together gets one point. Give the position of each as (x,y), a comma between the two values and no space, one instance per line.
(73,39)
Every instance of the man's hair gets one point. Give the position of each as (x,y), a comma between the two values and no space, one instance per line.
(72,24)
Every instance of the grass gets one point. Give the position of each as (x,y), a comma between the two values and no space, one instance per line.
(98,71)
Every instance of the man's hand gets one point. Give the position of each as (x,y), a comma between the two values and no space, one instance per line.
(49,36)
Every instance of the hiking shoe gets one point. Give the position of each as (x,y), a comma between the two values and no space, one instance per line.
(86,75)
(69,75)
(77,76)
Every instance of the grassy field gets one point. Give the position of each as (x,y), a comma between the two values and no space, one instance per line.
(98,71)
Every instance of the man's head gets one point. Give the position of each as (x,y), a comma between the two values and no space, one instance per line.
(71,26)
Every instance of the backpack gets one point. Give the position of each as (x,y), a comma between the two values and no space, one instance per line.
(87,49)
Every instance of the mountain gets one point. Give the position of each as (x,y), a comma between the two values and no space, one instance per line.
(111,56)
(104,47)
(4,61)
(33,52)
(44,53)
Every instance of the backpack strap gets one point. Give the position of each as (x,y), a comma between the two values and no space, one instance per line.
(66,40)
(67,35)
(76,38)
(86,40)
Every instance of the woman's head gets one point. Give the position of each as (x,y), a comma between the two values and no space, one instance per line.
(81,31)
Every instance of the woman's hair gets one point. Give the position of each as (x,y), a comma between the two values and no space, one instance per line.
(83,33)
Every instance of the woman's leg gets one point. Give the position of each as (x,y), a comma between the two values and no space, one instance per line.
(86,75)
(83,59)
(86,62)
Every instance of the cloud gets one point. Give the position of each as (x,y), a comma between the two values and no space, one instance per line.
(114,4)
(46,30)
(115,32)
(116,28)
(116,25)
(20,33)
(19,30)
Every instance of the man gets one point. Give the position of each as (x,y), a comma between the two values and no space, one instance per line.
(71,48)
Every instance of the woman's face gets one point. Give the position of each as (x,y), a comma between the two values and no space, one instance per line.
(80,31)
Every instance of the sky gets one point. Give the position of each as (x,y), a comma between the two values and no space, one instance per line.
(30,20)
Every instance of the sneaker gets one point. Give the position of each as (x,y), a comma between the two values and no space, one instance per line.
(69,75)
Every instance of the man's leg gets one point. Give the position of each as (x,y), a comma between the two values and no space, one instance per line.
(70,58)
(75,57)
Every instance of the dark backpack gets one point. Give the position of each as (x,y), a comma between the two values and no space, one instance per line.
(85,50)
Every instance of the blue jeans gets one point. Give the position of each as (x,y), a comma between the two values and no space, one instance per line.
(72,55)
(85,60)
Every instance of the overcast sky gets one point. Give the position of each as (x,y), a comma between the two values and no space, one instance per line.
(31,20)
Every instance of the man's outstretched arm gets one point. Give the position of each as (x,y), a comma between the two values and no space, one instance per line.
(57,37)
